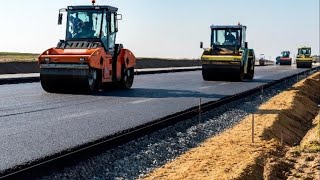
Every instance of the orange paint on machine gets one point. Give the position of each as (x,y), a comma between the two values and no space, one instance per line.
(88,58)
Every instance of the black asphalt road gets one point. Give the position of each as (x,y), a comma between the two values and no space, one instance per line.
(35,124)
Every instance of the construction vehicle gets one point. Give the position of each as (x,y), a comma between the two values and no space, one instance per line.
(278,60)
(88,58)
(228,56)
(304,58)
(316,59)
(285,58)
(262,60)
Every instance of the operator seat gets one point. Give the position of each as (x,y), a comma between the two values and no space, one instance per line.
(87,30)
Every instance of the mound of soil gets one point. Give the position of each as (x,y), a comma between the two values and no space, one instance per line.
(300,162)
(142,63)
(279,124)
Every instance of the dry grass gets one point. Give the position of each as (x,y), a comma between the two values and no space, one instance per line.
(17,57)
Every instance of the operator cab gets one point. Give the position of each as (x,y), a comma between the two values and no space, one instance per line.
(90,26)
(304,51)
(229,37)
(285,54)
(228,40)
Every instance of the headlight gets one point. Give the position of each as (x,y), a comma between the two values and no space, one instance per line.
(82,60)
(47,60)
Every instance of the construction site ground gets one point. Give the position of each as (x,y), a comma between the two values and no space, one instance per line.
(16,63)
(17,57)
(286,142)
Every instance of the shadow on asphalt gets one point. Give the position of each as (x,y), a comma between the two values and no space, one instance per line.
(259,81)
(158,93)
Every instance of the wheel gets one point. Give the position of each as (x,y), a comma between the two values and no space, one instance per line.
(250,75)
(127,78)
(241,75)
(250,71)
(47,84)
(47,88)
(92,80)
(206,76)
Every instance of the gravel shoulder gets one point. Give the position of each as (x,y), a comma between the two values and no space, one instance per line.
(280,123)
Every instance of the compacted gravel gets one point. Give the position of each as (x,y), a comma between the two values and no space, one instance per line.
(137,158)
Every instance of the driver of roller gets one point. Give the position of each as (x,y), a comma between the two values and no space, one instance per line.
(230,39)
(86,31)
(81,29)
(76,26)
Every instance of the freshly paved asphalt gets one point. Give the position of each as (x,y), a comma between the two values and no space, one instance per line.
(35,124)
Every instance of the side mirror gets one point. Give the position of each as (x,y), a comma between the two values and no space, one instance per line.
(119,17)
(60,18)
(246,45)
(201,45)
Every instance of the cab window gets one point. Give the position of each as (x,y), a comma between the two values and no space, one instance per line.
(112,23)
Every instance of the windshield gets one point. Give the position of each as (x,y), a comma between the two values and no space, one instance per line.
(84,24)
(305,51)
(226,37)
(285,54)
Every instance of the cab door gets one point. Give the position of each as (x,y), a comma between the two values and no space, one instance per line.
(112,33)
(105,31)
(243,42)
(107,66)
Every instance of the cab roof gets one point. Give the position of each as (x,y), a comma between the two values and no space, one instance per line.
(228,26)
(108,8)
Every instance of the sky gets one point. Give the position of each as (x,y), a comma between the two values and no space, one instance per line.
(169,28)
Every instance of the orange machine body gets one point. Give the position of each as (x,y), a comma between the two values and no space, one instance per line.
(88,57)
(94,58)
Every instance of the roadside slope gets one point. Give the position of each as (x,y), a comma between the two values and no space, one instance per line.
(303,160)
(232,155)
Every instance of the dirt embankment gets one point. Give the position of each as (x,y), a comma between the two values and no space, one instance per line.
(280,123)
(302,161)
(16,67)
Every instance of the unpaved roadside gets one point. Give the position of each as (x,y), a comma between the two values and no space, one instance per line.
(285,118)
(17,57)
(303,160)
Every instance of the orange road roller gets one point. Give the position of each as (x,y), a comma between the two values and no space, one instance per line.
(88,58)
